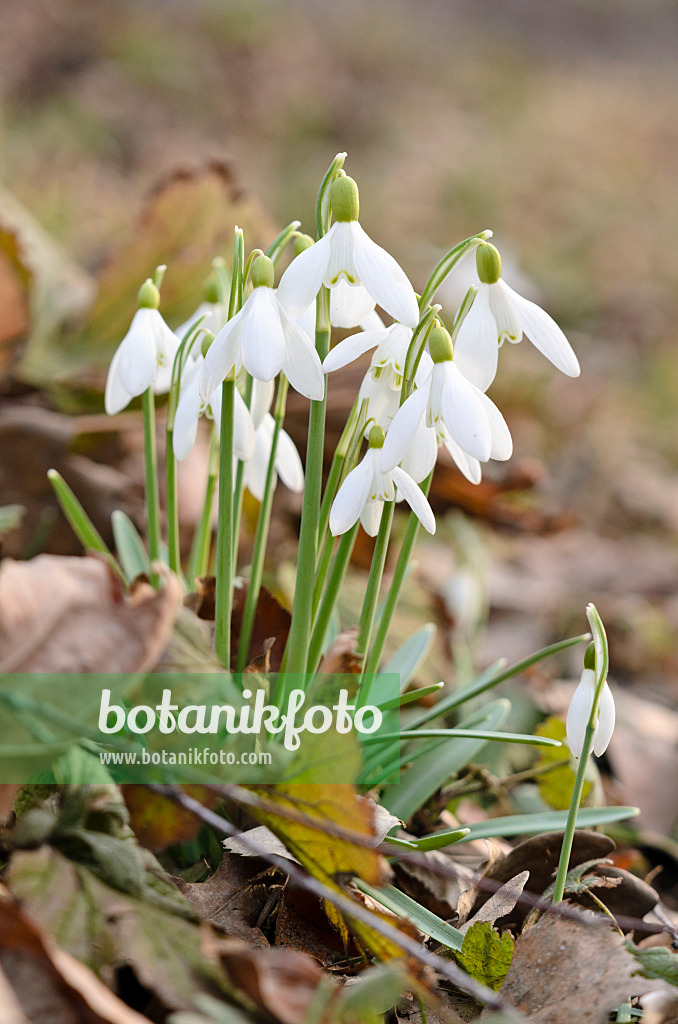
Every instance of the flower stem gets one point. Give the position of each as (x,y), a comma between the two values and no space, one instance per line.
(224,574)
(335,579)
(602,663)
(261,534)
(198,562)
(399,575)
(374,585)
(172,506)
(239,479)
(302,610)
(152,494)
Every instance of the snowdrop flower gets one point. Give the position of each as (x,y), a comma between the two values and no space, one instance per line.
(580,711)
(454,407)
(367,487)
(265,340)
(192,406)
(287,462)
(498,314)
(347,255)
(388,362)
(144,356)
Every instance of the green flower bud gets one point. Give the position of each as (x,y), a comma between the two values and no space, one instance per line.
(376,438)
(302,243)
(440,344)
(344,199)
(488,263)
(210,289)
(207,340)
(148,295)
(263,272)
(590,656)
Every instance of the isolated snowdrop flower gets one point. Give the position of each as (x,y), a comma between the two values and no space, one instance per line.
(265,340)
(499,314)
(287,462)
(453,406)
(367,487)
(579,712)
(144,356)
(347,255)
(192,406)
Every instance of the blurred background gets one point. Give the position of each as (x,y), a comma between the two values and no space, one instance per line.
(555,125)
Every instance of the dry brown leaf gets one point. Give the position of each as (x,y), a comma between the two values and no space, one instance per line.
(342,654)
(159,822)
(234,897)
(45,983)
(281,981)
(500,903)
(563,969)
(68,615)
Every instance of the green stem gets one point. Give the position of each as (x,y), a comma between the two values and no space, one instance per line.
(302,610)
(373,586)
(568,836)
(224,574)
(152,494)
(172,506)
(399,575)
(261,535)
(324,615)
(239,480)
(198,562)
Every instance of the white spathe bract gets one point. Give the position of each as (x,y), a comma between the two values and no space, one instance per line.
(287,462)
(368,486)
(346,253)
(265,340)
(579,713)
(446,399)
(148,348)
(499,314)
(191,407)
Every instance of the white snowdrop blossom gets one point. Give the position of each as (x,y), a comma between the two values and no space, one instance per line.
(579,713)
(192,406)
(458,411)
(266,341)
(499,314)
(347,256)
(388,361)
(367,487)
(288,465)
(210,316)
(144,356)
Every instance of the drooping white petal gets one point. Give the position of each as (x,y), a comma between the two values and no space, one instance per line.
(544,333)
(340,264)
(370,517)
(353,347)
(138,353)
(243,428)
(288,464)
(403,428)
(349,304)
(462,410)
(256,467)
(501,307)
(423,370)
(372,322)
(301,281)
(222,356)
(469,466)
(476,349)
(210,315)
(307,321)
(301,363)
(502,442)
(420,456)
(384,279)
(352,496)
(392,352)
(579,711)
(262,341)
(382,402)
(116,397)
(606,718)
(166,341)
(262,396)
(415,498)
(187,415)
